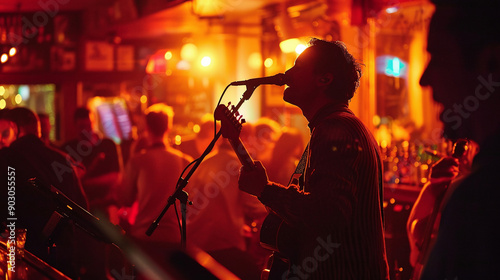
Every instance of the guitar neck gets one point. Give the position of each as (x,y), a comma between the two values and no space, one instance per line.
(241,152)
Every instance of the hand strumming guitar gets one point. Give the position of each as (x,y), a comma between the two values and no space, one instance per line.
(253,181)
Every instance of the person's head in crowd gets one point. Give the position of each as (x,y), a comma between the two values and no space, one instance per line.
(84,121)
(464,70)
(26,121)
(323,73)
(45,127)
(267,130)
(207,127)
(159,120)
(290,144)
(8,129)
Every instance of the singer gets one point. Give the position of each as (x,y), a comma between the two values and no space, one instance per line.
(331,219)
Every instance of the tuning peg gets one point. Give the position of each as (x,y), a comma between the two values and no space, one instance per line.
(243,121)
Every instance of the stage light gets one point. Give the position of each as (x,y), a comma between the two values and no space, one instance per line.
(268,62)
(168,55)
(177,140)
(391,10)
(255,60)
(4,58)
(300,48)
(144,99)
(18,99)
(289,45)
(12,51)
(205,61)
(3,104)
(189,52)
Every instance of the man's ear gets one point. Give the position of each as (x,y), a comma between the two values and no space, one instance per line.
(325,79)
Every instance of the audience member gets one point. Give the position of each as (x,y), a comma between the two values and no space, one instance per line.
(464,73)
(216,219)
(8,130)
(266,132)
(150,178)
(196,146)
(101,160)
(28,157)
(286,154)
(45,128)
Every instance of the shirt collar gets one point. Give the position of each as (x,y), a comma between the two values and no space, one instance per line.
(326,111)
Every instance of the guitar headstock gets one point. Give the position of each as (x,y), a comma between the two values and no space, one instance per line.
(231,122)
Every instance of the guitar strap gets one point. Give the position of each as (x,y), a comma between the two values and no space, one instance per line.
(301,167)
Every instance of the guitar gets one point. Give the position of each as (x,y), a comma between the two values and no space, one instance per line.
(459,150)
(273,231)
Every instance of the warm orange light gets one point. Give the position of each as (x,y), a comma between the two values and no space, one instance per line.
(12,51)
(144,99)
(268,62)
(18,99)
(300,48)
(196,128)
(289,45)
(255,60)
(3,104)
(4,58)
(376,120)
(168,55)
(205,61)
(178,139)
(189,52)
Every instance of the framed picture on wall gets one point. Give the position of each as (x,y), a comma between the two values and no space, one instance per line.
(99,56)
(125,58)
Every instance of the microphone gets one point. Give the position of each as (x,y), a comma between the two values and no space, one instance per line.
(278,79)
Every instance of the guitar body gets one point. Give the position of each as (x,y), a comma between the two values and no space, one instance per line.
(277,266)
(276,235)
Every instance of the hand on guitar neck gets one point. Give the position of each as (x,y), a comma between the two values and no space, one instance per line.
(253,180)
(253,176)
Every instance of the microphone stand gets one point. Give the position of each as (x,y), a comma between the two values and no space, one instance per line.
(179,192)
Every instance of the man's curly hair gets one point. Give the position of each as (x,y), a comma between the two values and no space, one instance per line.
(333,57)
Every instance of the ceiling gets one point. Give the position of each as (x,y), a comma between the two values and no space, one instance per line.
(136,19)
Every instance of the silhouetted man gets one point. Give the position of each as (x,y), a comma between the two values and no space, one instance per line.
(464,73)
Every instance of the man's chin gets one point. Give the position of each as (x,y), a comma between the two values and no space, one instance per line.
(286,95)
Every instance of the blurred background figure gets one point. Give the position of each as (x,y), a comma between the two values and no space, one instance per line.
(196,146)
(30,158)
(285,156)
(101,161)
(8,129)
(98,161)
(45,128)
(216,220)
(266,133)
(149,178)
